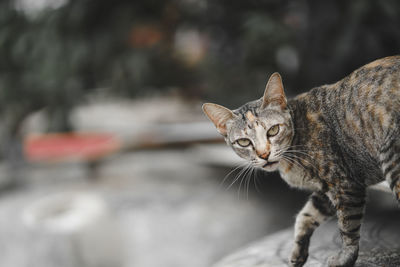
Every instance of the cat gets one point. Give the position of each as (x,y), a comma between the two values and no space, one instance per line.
(334,140)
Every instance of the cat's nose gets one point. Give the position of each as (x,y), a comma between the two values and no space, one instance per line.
(264,156)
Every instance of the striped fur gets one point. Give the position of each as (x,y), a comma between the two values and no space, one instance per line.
(334,140)
(317,210)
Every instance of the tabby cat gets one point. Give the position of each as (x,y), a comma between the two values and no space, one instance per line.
(334,140)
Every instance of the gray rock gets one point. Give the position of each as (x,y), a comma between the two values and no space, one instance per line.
(379,245)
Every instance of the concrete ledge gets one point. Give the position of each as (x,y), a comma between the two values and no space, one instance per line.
(380,245)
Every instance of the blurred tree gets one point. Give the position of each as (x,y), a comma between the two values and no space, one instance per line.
(221,50)
(340,36)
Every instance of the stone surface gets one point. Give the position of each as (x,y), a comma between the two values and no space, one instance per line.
(379,245)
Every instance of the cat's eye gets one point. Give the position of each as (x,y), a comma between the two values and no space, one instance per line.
(274,130)
(243,142)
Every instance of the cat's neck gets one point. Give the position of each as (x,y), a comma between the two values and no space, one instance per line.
(307,111)
(298,111)
(298,170)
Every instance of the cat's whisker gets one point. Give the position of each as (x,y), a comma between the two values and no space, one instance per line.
(290,162)
(303,152)
(246,185)
(302,159)
(291,153)
(244,180)
(255,179)
(255,175)
(241,165)
(249,176)
(293,149)
(241,179)
(282,151)
(237,176)
(306,161)
(293,162)
(298,149)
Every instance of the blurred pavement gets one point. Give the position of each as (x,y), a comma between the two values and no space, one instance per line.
(170,205)
(171,210)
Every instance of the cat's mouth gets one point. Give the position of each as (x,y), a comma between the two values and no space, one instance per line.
(270,165)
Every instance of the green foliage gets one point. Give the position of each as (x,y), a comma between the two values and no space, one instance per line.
(56,56)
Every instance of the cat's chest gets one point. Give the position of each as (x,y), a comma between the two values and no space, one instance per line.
(299,177)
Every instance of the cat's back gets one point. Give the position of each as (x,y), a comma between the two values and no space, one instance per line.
(375,83)
(368,100)
(360,111)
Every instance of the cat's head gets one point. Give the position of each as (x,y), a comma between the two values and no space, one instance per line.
(259,131)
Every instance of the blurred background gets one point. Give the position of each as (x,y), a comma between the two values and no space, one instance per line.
(106,158)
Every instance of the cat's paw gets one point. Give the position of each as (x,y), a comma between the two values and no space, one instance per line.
(298,257)
(345,258)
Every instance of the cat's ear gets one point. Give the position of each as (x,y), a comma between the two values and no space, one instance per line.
(219,115)
(274,93)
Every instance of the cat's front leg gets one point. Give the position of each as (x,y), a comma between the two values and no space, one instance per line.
(350,206)
(317,209)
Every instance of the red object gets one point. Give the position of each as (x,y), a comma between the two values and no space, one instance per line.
(67,146)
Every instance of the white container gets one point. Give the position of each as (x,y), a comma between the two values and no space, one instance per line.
(73,230)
